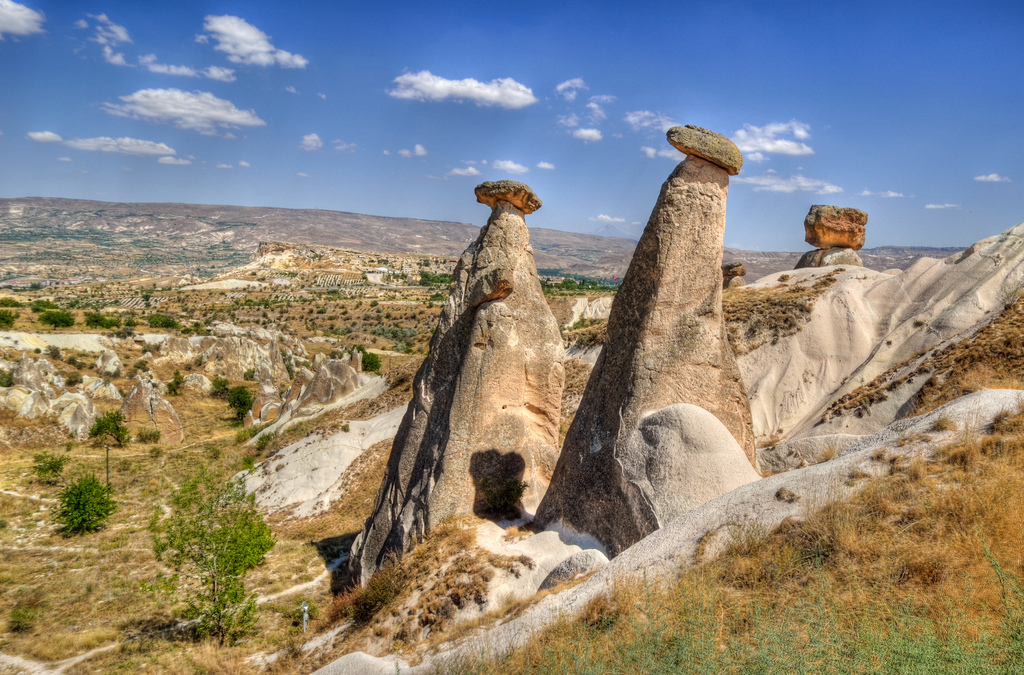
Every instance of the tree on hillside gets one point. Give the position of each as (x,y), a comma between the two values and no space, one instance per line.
(111,426)
(214,536)
(57,318)
(240,399)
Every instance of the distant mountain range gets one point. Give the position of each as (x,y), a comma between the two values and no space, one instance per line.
(154,238)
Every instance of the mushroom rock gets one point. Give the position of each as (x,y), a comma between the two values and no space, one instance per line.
(828,227)
(144,405)
(732,274)
(487,399)
(666,346)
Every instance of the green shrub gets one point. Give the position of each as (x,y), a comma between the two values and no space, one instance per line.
(148,435)
(162,321)
(100,320)
(6,379)
(85,506)
(249,375)
(243,435)
(57,318)
(240,400)
(174,386)
(502,495)
(110,426)
(141,364)
(265,441)
(73,379)
(371,362)
(9,302)
(49,467)
(21,619)
(219,388)
(42,305)
(7,318)
(383,587)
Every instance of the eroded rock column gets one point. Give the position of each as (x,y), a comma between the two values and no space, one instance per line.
(486,403)
(631,460)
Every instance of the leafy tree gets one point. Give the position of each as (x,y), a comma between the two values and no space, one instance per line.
(111,425)
(219,387)
(371,362)
(57,318)
(214,536)
(162,321)
(174,386)
(42,305)
(49,467)
(240,399)
(84,506)
(99,320)
(7,318)
(9,302)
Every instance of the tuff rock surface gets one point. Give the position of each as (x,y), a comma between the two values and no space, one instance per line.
(486,403)
(144,407)
(666,345)
(108,364)
(835,227)
(830,256)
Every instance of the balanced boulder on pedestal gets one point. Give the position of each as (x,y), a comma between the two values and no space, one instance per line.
(837,233)
(486,403)
(634,457)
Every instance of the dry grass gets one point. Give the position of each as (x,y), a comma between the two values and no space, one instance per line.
(759,316)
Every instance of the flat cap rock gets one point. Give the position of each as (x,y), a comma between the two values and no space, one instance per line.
(835,227)
(515,193)
(706,144)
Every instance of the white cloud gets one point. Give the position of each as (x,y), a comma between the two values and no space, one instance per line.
(174,161)
(198,110)
(942,206)
(245,43)
(112,57)
(63,159)
(651,153)
(224,166)
(766,138)
(244,163)
(570,120)
(468,171)
(110,34)
(645,119)
(772,182)
(150,63)
(17,19)
(603,98)
(81,23)
(323,96)
(122,146)
(291,90)
(302,175)
(424,86)
(888,194)
(546,165)
(417,151)
(44,136)
(755,157)
(588,135)
(220,74)
(509,166)
(342,146)
(606,219)
(311,142)
(597,113)
(387,153)
(569,88)
(992,178)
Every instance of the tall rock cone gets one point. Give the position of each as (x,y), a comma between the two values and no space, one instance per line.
(486,403)
(631,460)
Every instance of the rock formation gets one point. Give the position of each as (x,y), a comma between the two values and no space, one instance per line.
(76,413)
(266,408)
(108,364)
(732,274)
(33,374)
(486,405)
(98,387)
(666,346)
(144,406)
(837,233)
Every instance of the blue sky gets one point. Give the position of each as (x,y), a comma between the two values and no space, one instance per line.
(910,111)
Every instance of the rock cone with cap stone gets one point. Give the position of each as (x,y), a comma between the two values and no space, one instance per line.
(838,233)
(637,453)
(486,405)
(732,274)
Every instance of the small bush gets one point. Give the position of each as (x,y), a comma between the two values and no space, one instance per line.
(240,400)
(7,318)
(38,306)
(57,318)
(49,467)
(244,435)
(141,364)
(148,435)
(502,495)
(162,321)
(265,441)
(249,375)
(220,386)
(85,506)
(345,427)
(943,423)
(371,362)
(21,619)
(73,379)
(9,302)
(99,320)
(111,425)
(6,379)
(174,386)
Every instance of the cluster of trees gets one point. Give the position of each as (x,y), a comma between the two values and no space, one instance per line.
(431,279)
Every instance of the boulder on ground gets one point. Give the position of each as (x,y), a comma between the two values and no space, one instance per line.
(835,227)
(13,398)
(334,379)
(666,345)
(587,560)
(486,403)
(34,406)
(144,407)
(831,256)
(108,364)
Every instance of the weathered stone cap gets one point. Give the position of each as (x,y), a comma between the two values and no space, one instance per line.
(733,269)
(706,144)
(835,227)
(515,193)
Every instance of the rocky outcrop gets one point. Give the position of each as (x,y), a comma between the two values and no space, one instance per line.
(831,256)
(98,387)
(266,408)
(732,274)
(229,357)
(198,383)
(109,365)
(76,413)
(486,403)
(835,227)
(33,374)
(143,407)
(666,346)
